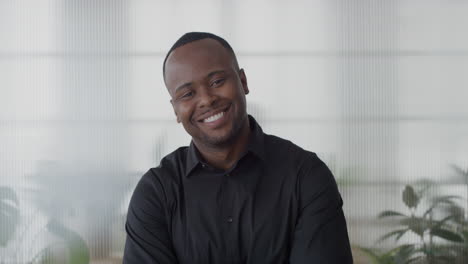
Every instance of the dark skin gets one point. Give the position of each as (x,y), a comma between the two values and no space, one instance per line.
(208,96)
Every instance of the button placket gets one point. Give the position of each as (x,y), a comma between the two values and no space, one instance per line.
(229,219)
(228,215)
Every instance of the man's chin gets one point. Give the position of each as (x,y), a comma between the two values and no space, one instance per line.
(217,141)
(218,137)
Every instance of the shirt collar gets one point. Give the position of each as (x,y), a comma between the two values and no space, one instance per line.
(256,141)
(255,145)
(193,158)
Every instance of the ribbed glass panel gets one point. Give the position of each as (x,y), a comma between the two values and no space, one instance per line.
(377,88)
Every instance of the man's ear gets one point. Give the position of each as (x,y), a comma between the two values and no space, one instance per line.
(177,116)
(243,79)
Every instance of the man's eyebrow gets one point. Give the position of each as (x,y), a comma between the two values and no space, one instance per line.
(209,75)
(214,73)
(182,86)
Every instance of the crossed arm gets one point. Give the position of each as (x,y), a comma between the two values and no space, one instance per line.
(320,235)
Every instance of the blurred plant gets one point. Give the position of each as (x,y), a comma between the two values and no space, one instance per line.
(463,174)
(395,255)
(441,228)
(88,192)
(9,214)
(77,251)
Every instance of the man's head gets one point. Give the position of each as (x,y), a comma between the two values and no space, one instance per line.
(207,88)
(194,36)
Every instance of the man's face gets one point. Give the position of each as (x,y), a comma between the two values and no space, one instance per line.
(208,91)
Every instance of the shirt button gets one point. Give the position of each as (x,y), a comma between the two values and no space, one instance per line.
(203,165)
(229,220)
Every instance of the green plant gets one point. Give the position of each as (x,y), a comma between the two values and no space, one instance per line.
(9,214)
(78,252)
(395,255)
(441,237)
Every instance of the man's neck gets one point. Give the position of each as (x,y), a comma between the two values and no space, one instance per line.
(224,157)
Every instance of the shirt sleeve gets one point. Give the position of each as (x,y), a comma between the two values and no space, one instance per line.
(148,239)
(320,234)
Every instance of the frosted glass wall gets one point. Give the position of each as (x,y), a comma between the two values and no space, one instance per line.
(377,88)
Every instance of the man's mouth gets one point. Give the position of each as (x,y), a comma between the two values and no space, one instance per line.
(213,117)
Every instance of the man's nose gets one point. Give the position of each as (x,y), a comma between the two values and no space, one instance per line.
(207,98)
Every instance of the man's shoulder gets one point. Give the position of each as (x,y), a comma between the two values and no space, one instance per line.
(176,158)
(311,174)
(279,142)
(286,150)
(171,165)
(159,182)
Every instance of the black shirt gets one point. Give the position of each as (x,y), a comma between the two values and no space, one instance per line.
(277,204)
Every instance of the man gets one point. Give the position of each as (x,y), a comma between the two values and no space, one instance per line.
(235,195)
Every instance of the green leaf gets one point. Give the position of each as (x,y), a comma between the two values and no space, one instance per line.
(7,194)
(375,258)
(446,199)
(9,214)
(399,236)
(44,256)
(441,222)
(460,170)
(390,213)
(404,253)
(370,253)
(79,252)
(396,255)
(398,233)
(446,234)
(412,260)
(416,224)
(444,259)
(410,198)
(465,235)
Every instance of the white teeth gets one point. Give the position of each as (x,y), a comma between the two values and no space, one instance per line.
(213,117)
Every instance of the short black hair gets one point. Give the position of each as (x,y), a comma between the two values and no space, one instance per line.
(194,36)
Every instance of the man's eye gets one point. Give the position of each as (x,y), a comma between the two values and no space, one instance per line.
(217,82)
(186,95)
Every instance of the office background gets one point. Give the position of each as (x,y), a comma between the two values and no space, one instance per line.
(379,89)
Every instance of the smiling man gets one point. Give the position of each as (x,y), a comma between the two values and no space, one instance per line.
(236,194)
